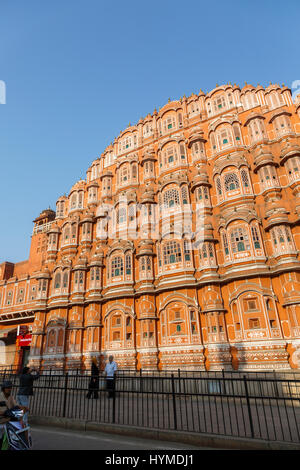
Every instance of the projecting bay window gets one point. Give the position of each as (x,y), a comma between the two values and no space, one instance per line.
(198,151)
(282,240)
(282,125)
(117,267)
(268,177)
(92,195)
(256,130)
(86,231)
(79,281)
(292,167)
(207,255)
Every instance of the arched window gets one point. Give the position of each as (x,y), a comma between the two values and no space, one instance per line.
(239,239)
(57,281)
(245,178)
(219,189)
(65,280)
(172,252)
(171,198)
(184,195)
(202,195)
(128,264)
(121,215)
(255,237)
(117,267)
(169,124)
(231,182)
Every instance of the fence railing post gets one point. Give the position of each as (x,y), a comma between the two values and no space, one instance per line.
(65,394)
(174,402)
(248,406)
(141,381)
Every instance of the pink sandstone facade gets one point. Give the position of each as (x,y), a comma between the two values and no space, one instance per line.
(180,249)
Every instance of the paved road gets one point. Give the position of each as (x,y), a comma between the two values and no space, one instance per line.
(45,438)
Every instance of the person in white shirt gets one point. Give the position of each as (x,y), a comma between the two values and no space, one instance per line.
(110,373)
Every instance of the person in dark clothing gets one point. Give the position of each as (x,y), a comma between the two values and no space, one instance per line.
(94,380)
(26,389)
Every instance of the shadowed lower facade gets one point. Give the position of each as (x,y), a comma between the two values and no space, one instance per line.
(180,249)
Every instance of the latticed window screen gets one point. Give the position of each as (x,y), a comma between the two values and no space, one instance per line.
(225,244)
(288,234)
(171,198)
(182,151)
(74,230)
(255,237)
(142,264)
(236,132)
(128,264)
(239,240)
(219,104)
(210,250)
(121,215)
(224,138)
(124,174)
(282,125)
(172,252)
(187,250)
(117,267)
(231,182)
(169,124)
(245,178)
(131,212)
(134,171)
(184,195)
(293,167)
(257,130)
(57,281)
(65,280)
(219,187)
(203,193)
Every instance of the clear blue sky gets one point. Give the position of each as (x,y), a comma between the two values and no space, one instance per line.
(77,72)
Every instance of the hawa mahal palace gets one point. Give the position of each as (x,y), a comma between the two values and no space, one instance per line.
(180,249)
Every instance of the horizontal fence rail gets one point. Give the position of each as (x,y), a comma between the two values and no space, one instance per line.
(253,405)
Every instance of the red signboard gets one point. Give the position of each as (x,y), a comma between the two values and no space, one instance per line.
(25,340)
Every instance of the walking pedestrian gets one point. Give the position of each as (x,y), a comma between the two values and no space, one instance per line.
(110,373)
(25,391)
(94,380)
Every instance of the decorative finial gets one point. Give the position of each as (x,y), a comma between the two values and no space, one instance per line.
(169,100)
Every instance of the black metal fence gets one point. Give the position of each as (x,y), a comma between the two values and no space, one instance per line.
(261,406)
